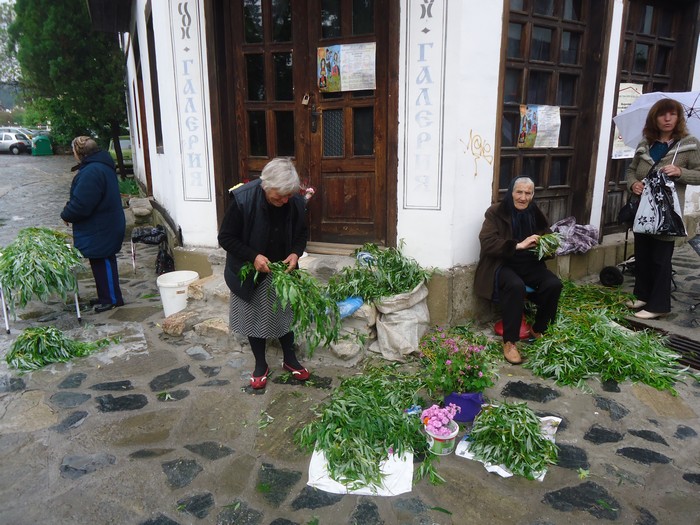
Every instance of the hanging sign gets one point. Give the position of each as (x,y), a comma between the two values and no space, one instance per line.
(348,67)
(190,92)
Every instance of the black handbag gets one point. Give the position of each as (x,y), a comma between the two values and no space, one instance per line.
(627,213)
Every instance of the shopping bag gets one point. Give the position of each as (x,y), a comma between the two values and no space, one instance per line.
(659,211)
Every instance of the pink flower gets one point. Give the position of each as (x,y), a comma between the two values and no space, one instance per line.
(448,362)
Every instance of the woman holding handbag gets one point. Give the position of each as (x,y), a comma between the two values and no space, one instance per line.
(676,154)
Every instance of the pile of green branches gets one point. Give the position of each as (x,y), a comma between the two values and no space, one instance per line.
(381,273)
(510,434)
(587,341)
(364,422)
(38,263)
(316,316)
(37,347)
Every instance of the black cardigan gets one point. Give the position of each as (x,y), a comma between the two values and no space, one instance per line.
(245,231)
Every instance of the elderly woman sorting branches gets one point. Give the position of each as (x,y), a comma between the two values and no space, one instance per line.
(265,223)
(507,264)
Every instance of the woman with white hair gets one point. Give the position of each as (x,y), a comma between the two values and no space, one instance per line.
(265,222)
(507,265)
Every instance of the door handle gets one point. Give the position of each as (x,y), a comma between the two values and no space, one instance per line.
(314,118)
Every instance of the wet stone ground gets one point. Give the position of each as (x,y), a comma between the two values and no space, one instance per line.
(164,430)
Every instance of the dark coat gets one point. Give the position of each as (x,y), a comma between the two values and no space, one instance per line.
(498,245)
(95,208)
(245,232)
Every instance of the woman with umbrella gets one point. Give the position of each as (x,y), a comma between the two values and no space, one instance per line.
(665,137)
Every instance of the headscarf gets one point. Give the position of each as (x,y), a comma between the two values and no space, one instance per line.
(522,221)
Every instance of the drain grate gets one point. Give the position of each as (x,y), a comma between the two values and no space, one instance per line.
(687,348)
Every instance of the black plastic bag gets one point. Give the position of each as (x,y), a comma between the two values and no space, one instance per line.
(149,234)
(164,260)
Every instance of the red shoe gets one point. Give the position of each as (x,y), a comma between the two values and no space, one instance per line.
(259,382)
(301,374)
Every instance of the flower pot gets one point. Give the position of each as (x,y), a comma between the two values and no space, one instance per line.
(469,404)
(443,445)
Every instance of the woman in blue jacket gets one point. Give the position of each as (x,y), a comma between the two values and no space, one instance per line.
(95,211)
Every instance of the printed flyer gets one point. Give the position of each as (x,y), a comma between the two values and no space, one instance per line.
(349,67)
(539,126)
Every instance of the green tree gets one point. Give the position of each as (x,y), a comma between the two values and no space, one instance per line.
(73,74)
(9,67)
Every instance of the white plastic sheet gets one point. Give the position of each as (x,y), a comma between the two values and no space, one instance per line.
(398,477)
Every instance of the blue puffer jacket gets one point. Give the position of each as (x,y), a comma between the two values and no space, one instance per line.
(95,208)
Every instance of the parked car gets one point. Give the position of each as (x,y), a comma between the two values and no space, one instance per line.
(125,143)
(17,129)
(15,143)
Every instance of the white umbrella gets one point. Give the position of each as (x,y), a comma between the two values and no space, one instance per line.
(631,121)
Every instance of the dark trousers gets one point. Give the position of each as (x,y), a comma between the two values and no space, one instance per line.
(511,294)
(652,272)
(106,275)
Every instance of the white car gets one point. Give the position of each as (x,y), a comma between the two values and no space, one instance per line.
(14,143)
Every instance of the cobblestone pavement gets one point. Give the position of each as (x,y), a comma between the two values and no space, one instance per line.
(162,430)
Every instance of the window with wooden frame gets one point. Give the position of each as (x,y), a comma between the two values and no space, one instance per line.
(547,62)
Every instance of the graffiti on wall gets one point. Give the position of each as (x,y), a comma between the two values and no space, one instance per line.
(479,148)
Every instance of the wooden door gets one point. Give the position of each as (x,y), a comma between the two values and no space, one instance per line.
(338,140)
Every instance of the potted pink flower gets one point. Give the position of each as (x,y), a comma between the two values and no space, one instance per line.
(458,367)
(441,428)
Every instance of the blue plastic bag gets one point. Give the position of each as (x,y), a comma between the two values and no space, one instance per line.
(349,306)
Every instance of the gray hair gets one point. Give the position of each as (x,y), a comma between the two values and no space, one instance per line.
(281,175)
(524,178)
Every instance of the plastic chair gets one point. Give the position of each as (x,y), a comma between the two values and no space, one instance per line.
(525,328)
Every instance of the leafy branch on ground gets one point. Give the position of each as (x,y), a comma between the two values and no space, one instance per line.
(316,316)
(587,342)
(364,422)
(510,434)
(38,347)
(377,273)
(38,263)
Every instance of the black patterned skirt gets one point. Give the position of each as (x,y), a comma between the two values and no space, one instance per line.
(261,317)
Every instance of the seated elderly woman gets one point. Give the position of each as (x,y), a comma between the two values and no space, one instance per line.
(507,264)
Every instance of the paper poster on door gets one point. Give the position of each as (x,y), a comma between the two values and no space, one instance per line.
(539,127)
(346,67)
(626,94)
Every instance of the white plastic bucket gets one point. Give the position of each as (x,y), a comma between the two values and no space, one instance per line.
(173,289)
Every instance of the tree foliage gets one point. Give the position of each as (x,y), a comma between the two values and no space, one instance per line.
(74,75)
(9,67)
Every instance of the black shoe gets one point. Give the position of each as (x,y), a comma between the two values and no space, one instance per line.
(104,307)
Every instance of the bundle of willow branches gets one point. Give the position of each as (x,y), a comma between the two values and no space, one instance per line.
(38,347)
(316,316)
(38,263)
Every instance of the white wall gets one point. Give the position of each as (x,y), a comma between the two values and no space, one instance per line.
(448,236)
(197,218)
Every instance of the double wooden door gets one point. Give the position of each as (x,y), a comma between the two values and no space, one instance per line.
(272,105)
